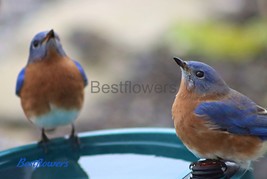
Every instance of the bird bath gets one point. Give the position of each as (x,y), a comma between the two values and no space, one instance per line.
(123,153)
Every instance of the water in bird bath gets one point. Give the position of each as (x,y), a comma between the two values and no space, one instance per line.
(132,166)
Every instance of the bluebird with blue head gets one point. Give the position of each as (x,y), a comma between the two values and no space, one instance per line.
(215,121)
(51,85)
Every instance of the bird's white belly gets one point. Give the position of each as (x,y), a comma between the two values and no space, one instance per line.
(56,117)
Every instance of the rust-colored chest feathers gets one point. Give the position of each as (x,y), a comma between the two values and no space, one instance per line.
(51,82)
(203,140)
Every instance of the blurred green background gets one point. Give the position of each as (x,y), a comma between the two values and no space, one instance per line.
(124,40)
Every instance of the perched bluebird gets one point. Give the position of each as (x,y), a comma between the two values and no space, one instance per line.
(215,121)
(51,85)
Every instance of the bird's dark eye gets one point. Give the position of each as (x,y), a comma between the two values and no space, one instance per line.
(35,44)
(200,74)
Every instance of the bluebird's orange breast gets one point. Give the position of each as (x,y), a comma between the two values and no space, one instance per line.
(51,82)
(206,142)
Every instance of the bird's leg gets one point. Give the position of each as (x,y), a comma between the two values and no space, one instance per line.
(73,136)
(44,140)
(44,137)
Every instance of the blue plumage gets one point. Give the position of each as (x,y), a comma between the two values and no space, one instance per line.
(80,68)
(20,81)
(39,51)
(211,82)
(237,114)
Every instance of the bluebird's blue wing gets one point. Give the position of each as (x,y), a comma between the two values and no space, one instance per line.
(237,114)
(20,81)
(80,68)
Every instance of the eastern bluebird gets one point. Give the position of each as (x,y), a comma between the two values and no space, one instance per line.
(51,85)
(215,121)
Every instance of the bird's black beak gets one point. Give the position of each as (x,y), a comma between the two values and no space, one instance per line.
(181,63)
(49,35)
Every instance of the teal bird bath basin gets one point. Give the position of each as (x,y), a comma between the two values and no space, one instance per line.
(135,153)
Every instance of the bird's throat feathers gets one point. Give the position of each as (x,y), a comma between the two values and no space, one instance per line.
(53,48)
